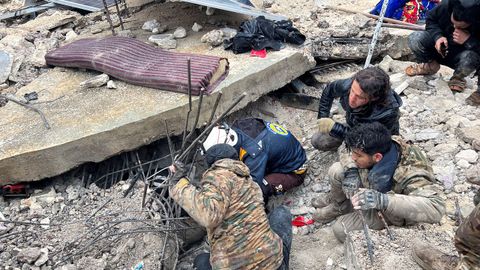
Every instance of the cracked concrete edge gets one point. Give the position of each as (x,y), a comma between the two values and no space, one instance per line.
(36,165)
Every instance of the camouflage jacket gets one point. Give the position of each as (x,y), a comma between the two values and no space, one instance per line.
(467,241)
(230,205)
(414,197)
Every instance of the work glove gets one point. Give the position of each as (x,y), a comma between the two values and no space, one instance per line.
(367,199)
(351,182)
(325,125)
(178,172)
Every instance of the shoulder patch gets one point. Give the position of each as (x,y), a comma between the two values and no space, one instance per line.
(277,129)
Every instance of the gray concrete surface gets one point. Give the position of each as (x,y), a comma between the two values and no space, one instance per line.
(94,124)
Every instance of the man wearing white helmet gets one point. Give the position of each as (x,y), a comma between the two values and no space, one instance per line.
(274,156)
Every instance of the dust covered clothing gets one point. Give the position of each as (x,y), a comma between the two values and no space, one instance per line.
(467,241)
(230,206)
(413,197)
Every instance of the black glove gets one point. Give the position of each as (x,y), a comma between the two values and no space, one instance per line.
(351,182)
(367,199)
(180,172)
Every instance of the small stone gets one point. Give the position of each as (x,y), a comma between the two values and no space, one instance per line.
(468,155)
(96,81)
(267,3)
(111,85)
(71,35)
(302,210)
(196,27)
(28,255)
(130,243)
(96,30)
(463,164)
(210,11)
(126,33)
(427,134)
(164,41)
(460,188)
(180,32)
(6,63)
(160,29)
(473,174)
(329,262)
(45,221)
(150,25)
(214,38)
(43,257)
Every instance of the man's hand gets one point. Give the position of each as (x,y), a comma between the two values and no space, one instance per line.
(325,125)
(460,36)
(177,172)
(367,199)
(351,182)
(438,46)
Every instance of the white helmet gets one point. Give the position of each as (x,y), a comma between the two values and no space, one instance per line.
(221,134)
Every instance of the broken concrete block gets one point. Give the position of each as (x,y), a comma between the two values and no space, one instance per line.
(468,155)
(228,32)
(126,33)
(468,134)
(180,32)
(28,255)
(111,85)
(196,27)
(42,47)
(43,257)
(71,35)
(164,41)
(6,63)
(210,11)
(214,38)
(150,25)
(160,29)
(96,81)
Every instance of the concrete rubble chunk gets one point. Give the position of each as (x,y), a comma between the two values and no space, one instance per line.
(126,33)
(71,35)
(160,29)
(6,63)
(469,134)
(213,38)
(91,263)
(43,257)
(196,27)
(443,150)
(267,3)
(180,32)
(164,41)
(385,63)
(427,134)
(48,21)
(96,81)
(150,25)
(473,174)
(111,85)
(228,32)
(28,255)
(42,47)
(468,155)
(442,88)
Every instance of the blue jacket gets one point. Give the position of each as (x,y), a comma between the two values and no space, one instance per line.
(274,150)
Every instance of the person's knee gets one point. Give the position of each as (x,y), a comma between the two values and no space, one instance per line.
(417,41)
(325,142)
(339,231)
(336,173)
(470,59)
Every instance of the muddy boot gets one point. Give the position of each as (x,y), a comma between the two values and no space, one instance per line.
(327,213)
(474,99)
(322,200)
(430,258)
(423,69)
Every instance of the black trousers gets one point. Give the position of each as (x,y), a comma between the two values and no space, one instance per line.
(463,61)
(280,221)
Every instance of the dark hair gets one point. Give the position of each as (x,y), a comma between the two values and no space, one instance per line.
(375,83)
(371,138)
(461,13)
(220,151)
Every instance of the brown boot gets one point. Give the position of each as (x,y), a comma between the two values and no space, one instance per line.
(322,200)
(423,69)
(327,213)
(430,258)
(474,99)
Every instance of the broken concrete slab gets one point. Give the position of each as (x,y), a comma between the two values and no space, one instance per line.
(94,124)
(50,21)
(6,63)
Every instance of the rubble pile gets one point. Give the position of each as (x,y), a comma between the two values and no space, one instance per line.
(67,226)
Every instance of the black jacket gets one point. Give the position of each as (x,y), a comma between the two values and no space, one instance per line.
(388,115)
(439,24)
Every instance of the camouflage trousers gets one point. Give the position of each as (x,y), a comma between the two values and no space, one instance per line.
(280,222)
(351,220)
(467,241)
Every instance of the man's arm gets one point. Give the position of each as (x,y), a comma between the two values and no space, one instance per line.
(208,204)
(422,204)
(473,43)
(257,167)
(433,21)
(333,90)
